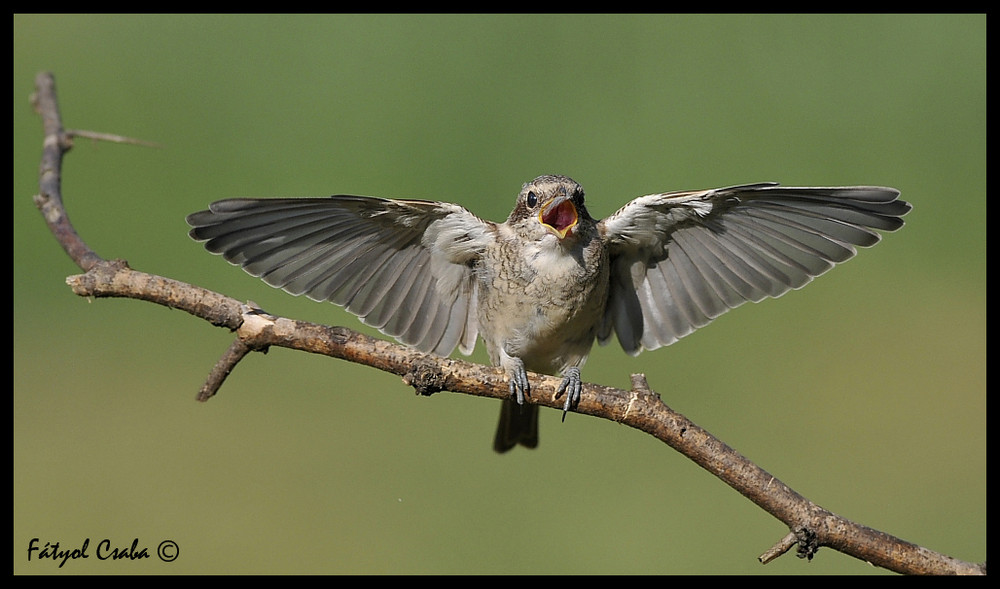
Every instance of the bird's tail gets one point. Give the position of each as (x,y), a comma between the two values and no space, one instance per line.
(518,425)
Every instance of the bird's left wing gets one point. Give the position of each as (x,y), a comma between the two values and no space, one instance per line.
(402,266)
(680,259)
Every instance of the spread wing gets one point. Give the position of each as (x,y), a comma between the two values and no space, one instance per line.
(402,266)
(681,259)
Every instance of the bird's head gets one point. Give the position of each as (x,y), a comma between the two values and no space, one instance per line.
(555,203)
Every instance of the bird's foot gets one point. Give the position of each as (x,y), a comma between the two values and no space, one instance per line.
(517,377)
(571,385)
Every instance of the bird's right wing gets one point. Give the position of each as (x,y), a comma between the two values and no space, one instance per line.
(402,266)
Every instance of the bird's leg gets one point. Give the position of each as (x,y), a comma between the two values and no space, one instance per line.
(517,377)
(571,385)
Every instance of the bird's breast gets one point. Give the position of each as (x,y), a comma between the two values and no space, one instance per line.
(542,302)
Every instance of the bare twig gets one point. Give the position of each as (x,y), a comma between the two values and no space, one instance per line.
(49,197)
(109,137)
(810,526)
(236,352)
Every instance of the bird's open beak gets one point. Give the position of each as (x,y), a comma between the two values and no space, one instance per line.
(559,216)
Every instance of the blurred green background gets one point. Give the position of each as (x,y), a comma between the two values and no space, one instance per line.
(865,392)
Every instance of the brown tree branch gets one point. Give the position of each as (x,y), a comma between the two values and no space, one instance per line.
(811,526)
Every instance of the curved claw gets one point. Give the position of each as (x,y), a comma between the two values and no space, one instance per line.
(571,385)
(518,379)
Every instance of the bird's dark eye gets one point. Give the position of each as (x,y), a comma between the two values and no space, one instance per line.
(532,199)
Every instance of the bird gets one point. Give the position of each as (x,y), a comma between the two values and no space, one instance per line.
(541,287)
